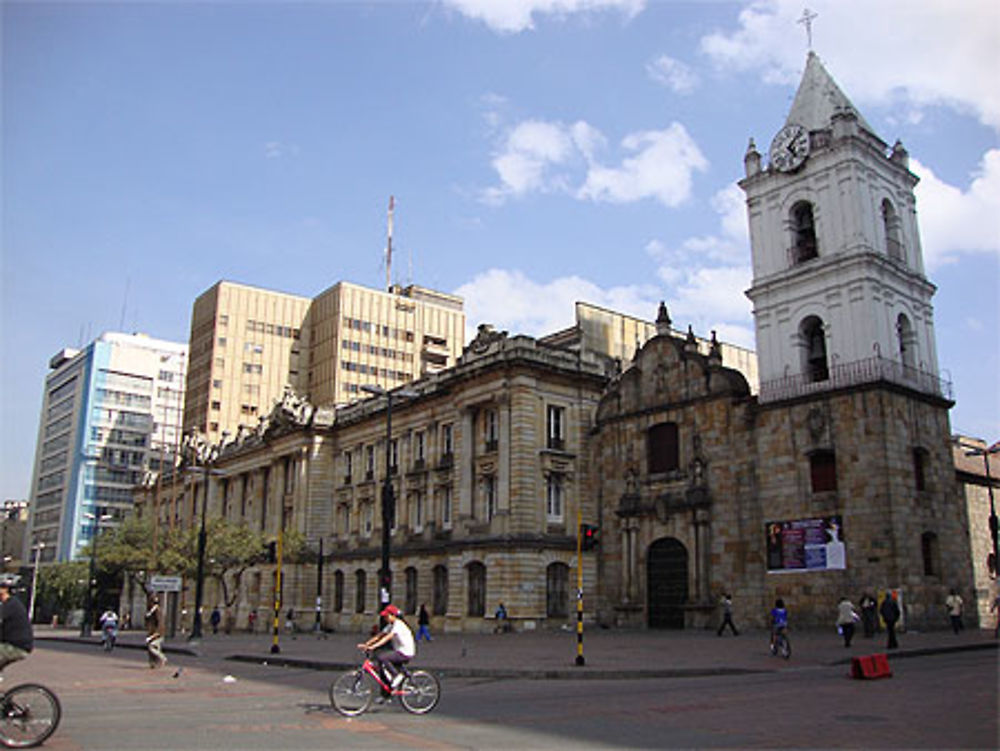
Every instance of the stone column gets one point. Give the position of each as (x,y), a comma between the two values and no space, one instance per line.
(702,520)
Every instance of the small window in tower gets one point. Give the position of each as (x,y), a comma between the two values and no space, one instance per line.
(823,471)
(893,232)
(907,341)
(931,553)
(813,337)
(804,245)
(919,468)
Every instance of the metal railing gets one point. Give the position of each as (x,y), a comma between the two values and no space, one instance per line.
(870,370)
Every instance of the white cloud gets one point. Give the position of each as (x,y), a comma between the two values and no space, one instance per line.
(855,38)
(673,74)
(661,168)
(545,157)
(954,221)
(513,16)
(279,150)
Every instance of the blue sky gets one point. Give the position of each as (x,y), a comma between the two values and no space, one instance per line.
(540,152)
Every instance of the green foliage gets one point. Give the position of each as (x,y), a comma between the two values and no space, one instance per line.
(63,586)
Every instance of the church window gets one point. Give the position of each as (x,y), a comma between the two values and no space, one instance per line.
(803,232)
(893,231)
(823,471)
(931,553)
(813,337)
(663,448)
(440,601)
(907,341)
(920,468)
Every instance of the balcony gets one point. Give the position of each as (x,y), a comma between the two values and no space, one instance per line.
(870,370)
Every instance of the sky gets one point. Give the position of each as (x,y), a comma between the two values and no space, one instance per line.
(540,152)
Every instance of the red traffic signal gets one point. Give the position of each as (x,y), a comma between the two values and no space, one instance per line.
(590,536)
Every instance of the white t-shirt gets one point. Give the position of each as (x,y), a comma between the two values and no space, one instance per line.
(402,639)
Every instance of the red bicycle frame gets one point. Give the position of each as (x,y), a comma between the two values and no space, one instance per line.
(369,667)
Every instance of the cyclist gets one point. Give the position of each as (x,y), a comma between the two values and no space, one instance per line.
(779,620)
(403,647)
(109,628)
(16,636)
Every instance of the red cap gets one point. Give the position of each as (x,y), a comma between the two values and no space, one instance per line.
(389,610)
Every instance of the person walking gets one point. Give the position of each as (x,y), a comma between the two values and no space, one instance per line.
(154,633)
(954,604)
(215,619)
(424,622)
(869,614)
(17,638)
(889,611)
(727,615)
(846,617)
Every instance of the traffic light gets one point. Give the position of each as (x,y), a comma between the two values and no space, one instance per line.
(590,536)
(271,552)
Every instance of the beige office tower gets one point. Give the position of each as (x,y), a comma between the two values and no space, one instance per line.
(364,336)
(247,343)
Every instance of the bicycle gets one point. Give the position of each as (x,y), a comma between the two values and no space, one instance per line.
(781,645)
(29,714)
(108,638)
(352,692)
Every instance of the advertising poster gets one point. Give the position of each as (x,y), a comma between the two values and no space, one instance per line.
(805,545)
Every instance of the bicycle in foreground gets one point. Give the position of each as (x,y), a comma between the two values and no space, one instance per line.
(353,692)
(29,714)
(780,645)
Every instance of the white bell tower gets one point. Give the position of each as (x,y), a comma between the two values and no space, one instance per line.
(839,292)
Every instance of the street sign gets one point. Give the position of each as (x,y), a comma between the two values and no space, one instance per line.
(165,583)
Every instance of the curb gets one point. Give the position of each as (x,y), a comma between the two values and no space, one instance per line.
(118,645)
(924,652)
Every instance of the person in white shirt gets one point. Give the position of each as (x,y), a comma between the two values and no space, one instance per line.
(403,647)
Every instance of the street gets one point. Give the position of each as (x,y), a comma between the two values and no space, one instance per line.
(116,702)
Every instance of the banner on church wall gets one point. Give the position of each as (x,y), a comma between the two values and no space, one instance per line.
(805,545)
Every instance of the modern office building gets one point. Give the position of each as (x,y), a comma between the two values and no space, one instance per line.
(248,344)
(110,412)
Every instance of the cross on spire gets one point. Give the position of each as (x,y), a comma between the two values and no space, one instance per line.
(806,20)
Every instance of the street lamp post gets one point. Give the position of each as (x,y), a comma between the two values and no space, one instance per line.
(388,495)
(985,453)
(201,453)
(85,627)
(319,589)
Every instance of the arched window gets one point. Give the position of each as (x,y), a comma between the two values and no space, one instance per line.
(823,471)
(804,244)
(557,590)
(907,341)
(440,603)
(814,362)
(662,447)
(893,232)
(476,573)
(931,554)
(338,591)
(360,585)
(410,605)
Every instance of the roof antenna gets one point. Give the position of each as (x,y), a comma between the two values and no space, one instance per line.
(806,20)
(388,248)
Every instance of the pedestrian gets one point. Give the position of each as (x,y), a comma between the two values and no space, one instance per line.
(869,614)
(424,622)
(252,621)
(503,625)
(954,604)
(290,620)
(889,611)
(846,617)
(727,615)
(154,633)
(215,619)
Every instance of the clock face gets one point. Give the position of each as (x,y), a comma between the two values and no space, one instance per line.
(789,148)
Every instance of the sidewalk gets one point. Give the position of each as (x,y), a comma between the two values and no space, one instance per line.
(544,654)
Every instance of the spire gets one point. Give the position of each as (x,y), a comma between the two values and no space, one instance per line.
(662,320)
(819,98)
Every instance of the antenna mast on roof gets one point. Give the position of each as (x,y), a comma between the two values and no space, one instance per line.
(388,248)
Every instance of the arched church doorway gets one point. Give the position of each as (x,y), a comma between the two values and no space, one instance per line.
(666,583)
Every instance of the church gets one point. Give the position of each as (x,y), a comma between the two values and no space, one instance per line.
(822,469)
(836,478)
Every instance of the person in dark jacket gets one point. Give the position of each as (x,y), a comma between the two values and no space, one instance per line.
(424,621)
(16,636)
(890,614)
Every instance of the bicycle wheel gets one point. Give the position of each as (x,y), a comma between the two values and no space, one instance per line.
(785,647)
(352,692)
(29,714)
(420,692)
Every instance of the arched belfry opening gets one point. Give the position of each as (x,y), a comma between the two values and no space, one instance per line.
(804,246)
(815,365)
(666,583)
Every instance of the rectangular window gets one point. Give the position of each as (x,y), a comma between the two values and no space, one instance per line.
(447,447)
(490,429)
(919,467)
(418,512)
(369,462)
(222,341)
(554,498)
(418,449)
(823,471)
(445,494)
(348,467)
(368,519)
(555,427)
(663,448)
(394,456)
(489,496)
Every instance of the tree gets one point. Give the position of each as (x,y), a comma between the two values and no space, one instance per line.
(128,550)
(62,587)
